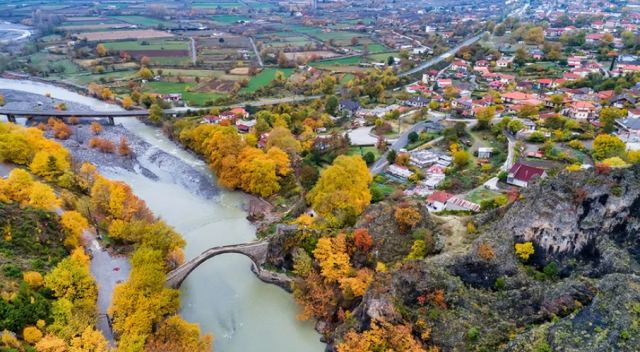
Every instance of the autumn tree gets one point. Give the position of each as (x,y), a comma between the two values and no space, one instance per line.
(342,191)
(155,113)
(127,102)
(33,279)
(96,128)
(101,50)
(74,225)
(143,301)
(175,334)
(484,117)
(145,73)
(50,164)
(607,146)
(331,254)
(31,334)
(42,196)
(407,218)
(362,239)
(90,340)
(381,336)
(123,147)
(282,138)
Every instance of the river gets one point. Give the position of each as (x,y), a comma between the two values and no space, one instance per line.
(222,295)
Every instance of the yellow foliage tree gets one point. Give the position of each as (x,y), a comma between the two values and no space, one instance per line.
(127,102)
(51,343)
(32,278)
(101,50)
(89,341)
(31,335)
(331,254)
(143,301)
(18,186)
(74,225)
(177,335)
(382,336)
(524,250)
(342,191)
(50,164)
(9,339)
(42,196)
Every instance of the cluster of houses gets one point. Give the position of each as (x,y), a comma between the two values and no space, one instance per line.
(236,116)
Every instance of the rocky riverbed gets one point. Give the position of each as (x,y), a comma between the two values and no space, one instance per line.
(145,159)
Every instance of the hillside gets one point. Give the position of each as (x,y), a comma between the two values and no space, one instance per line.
(579,291)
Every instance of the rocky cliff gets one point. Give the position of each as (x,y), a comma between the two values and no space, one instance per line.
(579,291)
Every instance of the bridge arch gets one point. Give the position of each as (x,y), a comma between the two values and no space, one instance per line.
(256,251)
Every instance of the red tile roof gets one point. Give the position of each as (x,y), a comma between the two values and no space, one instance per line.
(439,196)
(525,172)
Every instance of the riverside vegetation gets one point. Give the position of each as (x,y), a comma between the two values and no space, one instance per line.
(48,300)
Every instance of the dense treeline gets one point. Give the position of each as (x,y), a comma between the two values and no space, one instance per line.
(57,311)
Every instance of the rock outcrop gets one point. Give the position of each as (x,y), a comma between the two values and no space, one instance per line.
(579,291)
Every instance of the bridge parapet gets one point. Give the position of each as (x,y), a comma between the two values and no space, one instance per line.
(256,251)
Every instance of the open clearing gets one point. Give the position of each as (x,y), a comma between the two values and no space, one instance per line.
(311,55)
(119,35)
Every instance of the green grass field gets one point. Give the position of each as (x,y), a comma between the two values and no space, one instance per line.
(480,194)
(151,44)
(142,21)
(364,150)
(191,73)
(348,61)
(263,78)
(192,98)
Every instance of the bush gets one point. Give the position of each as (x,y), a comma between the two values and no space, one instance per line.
(369,158)
(12,271)
(103,145)
(524,250)
(377,194)
(413,137)
(31,334)
(551,270)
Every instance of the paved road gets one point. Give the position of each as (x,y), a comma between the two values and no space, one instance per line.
(443,56)
(255,50)
(261,102)
(194,56)
(400,143)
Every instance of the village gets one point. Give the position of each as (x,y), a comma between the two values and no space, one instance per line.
(525,98)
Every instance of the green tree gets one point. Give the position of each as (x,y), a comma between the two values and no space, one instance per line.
(484,117)
(331,105)
(608,117)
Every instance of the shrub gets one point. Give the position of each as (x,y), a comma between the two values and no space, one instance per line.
(407,218)
(501,283)
(103,145)
(31,334)
(32,278)
(485,251)
(471,228)
(524,250)
(551,270)
(369,157)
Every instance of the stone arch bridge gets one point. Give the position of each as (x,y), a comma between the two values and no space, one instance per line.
(256,251)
